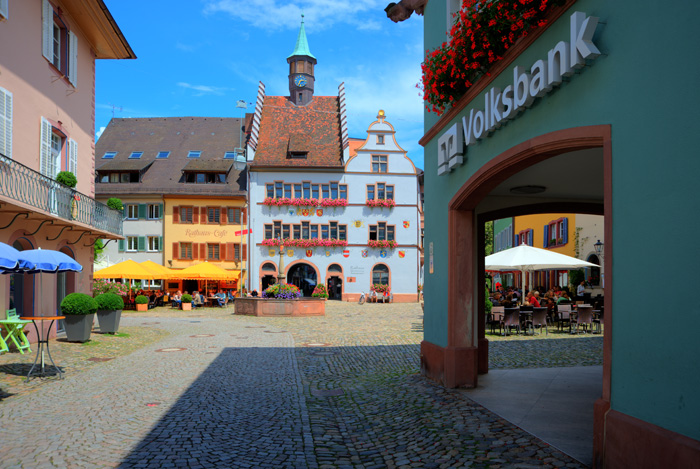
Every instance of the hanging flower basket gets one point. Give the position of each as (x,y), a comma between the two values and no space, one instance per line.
(305,243)
(333,202)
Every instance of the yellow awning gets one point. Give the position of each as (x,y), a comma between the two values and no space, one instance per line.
(127,269)
(163,271)
(205,271)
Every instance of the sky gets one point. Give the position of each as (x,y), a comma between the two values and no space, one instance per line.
(199,57)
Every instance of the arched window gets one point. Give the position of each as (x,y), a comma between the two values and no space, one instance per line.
(335,268)
(269,267)
(593,273)
(380,274)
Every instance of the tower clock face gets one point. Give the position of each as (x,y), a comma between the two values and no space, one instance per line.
(300,81)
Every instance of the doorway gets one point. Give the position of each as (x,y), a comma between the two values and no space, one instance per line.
(304,277)
(335,282)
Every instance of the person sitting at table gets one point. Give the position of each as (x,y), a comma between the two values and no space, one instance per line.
(197,299)
(497,299)
(564,298)
(230,295)
(531,299)
(177,299)
(254,293)
(221,298)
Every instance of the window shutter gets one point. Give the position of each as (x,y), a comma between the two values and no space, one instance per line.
(121,245)
(195,214)
(203,215)
(73,156)
(160,244)
(4,9)
(160,211)
(244,254)
(530,236)
(517,240)
(176,249)
(243,216)
(222,251)
(222,216)
(47,30)
(176,214)
(5,122)
(546,235)
(203,250)
(73,58)
(45,150)
(143,209)
(229,251)
(565,229)
(142,243)
(123,210)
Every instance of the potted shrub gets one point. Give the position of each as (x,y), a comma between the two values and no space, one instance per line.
(320,291)
(79,310)
(282,292)
(109,311)
(186,303)
(141,303)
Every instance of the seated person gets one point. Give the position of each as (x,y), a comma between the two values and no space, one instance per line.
(221,298)
(254,293)
(230,296)
(496,300)
(564,298)
(197,299)
(177,298)
(531,299)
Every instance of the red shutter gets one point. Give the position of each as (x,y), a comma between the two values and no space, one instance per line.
(224,216)
(176,247)
(244,253)
(195,214)
(176,214)
(203,251)
(243,217)
(230,251)
(222,251)
(203,215)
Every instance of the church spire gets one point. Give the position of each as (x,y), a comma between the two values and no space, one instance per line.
(302,45)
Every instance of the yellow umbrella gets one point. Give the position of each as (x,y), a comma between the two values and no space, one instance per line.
(127,269)
(203,271)
(163,271)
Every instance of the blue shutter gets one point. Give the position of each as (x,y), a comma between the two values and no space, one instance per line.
(546,236)
(142,211)
(565,229)
(530,237)
(160,211)
(517,240)
(121,245)
(142,243)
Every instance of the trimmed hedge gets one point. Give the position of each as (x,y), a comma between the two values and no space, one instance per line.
(109,302)
(141,300)
(67,179)
(78,304)
(186,298)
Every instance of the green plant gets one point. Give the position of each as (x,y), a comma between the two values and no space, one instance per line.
(67,179)
(78,303)
(576,277)
(109,302)
(100,285)
(320,291)
(186,298)
(282,292)
(115,203)
(487,304)
(141,300)
(379,288)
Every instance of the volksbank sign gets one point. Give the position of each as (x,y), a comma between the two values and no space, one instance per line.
(500,106)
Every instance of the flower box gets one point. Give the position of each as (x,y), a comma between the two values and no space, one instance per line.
(382,243)
(389,203)
(306,243)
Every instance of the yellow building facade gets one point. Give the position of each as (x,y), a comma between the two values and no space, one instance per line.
(212,229)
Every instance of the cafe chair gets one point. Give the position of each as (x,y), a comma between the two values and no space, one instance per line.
(598,320)
(511,318)
(14,326)
(496,318)
(539,318)
(564,316)
(584,317)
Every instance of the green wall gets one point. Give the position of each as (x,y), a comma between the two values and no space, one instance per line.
(646,86)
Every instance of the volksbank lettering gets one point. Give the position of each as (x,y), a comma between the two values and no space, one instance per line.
(500,106)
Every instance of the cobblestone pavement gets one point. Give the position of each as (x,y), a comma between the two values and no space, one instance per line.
(218,390)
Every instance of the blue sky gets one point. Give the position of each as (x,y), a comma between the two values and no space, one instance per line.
(198,58)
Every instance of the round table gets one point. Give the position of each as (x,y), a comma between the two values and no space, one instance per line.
(43,342)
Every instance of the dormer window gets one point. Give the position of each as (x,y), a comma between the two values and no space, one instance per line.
(205,178)
(380,139)
(194,154)
(109,155)
(136,155)
(300,155)
(162,155)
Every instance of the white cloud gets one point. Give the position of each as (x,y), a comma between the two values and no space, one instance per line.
(99,133)
(184,47)
(318,14)
(203,89)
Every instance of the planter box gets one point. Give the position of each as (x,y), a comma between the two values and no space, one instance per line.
(109,320)
(78,327)
(276,308)
(143,307)
(186,306)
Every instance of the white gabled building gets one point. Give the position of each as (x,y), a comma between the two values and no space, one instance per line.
(309,188)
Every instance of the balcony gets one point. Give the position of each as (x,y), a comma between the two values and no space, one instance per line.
(27,189)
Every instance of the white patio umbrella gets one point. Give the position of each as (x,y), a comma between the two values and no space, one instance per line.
(527,259)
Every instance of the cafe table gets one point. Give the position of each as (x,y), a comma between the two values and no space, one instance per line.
(43,342)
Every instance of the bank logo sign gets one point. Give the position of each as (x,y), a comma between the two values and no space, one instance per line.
(499,106)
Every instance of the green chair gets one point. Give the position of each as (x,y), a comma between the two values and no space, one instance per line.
(15,330)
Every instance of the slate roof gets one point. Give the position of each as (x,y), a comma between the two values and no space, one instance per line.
(314,128)
(213,136)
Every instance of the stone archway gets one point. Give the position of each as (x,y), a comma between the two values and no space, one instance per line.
(304,276)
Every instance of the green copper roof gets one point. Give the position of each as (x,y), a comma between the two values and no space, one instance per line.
(302,45)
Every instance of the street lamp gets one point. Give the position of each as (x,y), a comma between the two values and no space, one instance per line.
(240,163)
(598,246)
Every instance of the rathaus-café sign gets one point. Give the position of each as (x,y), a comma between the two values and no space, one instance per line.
(499,106)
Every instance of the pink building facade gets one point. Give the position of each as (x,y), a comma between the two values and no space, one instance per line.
(47,122)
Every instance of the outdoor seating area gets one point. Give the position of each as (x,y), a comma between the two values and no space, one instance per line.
(528,320)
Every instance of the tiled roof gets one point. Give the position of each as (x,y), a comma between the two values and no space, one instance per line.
(213,136)
(123,165)
(314,128)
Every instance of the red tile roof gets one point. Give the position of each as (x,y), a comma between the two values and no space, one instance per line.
(314,128)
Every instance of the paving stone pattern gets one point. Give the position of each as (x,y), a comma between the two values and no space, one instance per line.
(255,392)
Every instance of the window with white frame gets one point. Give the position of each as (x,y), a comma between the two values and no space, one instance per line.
(5,122)
(132,212)
(154,244)
(50,149)
(59,43)
(154,211)
(132,243)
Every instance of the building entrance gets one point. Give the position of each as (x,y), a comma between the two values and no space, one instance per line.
(304,277)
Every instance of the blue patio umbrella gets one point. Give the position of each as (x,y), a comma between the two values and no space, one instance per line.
(46,260)
(11,260)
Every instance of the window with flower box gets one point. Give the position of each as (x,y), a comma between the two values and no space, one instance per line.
(524,237)
(381,232)
(306,230)
(277,230)
(381,191)
(556,233)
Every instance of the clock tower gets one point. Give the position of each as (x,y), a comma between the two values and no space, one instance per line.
(301,70)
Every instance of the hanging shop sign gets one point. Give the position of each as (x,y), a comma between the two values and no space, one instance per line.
(502,105)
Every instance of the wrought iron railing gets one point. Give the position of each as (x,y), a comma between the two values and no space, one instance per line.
(25,185)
